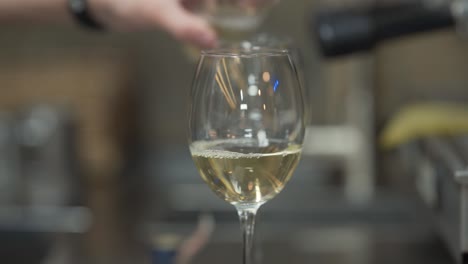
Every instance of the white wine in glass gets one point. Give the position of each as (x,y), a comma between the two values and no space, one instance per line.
(246,126)
(240,173)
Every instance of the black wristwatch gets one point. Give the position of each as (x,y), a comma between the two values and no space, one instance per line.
(82,14)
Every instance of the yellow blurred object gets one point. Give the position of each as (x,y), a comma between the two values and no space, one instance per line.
(423,120)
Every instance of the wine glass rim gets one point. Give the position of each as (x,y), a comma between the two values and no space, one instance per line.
(245,53)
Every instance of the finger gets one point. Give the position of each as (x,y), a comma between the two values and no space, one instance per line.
(188,27)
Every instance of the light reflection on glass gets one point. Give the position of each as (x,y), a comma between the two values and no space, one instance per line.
(276,85)
(258,196)
(266,76)
(252,90)
(252,79)
(224,82)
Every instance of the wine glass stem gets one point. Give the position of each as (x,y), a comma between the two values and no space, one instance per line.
(247,221)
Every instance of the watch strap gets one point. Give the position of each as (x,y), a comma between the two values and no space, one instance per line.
(82,14)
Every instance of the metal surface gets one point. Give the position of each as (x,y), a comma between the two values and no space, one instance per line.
(444,187)
(40,191)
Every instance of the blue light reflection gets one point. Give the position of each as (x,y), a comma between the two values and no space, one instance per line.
(275,86)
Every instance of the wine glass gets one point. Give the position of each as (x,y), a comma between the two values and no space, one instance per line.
(233,20)
(246,127)
(233,15)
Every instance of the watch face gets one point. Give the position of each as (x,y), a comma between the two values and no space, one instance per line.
(77,5)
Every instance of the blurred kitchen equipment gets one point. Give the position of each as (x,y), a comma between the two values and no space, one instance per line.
(348,30)
(9,162)
(351,141)
(38,171)
(438,169)
(431,141)
(436,158)
(345,31)
(45,147)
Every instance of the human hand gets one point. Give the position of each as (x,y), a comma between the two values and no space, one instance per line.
(172,16)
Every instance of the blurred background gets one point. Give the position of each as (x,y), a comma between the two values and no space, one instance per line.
(95,168)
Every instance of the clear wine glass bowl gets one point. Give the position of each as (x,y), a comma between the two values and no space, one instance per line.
(246,126)
(238,15)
